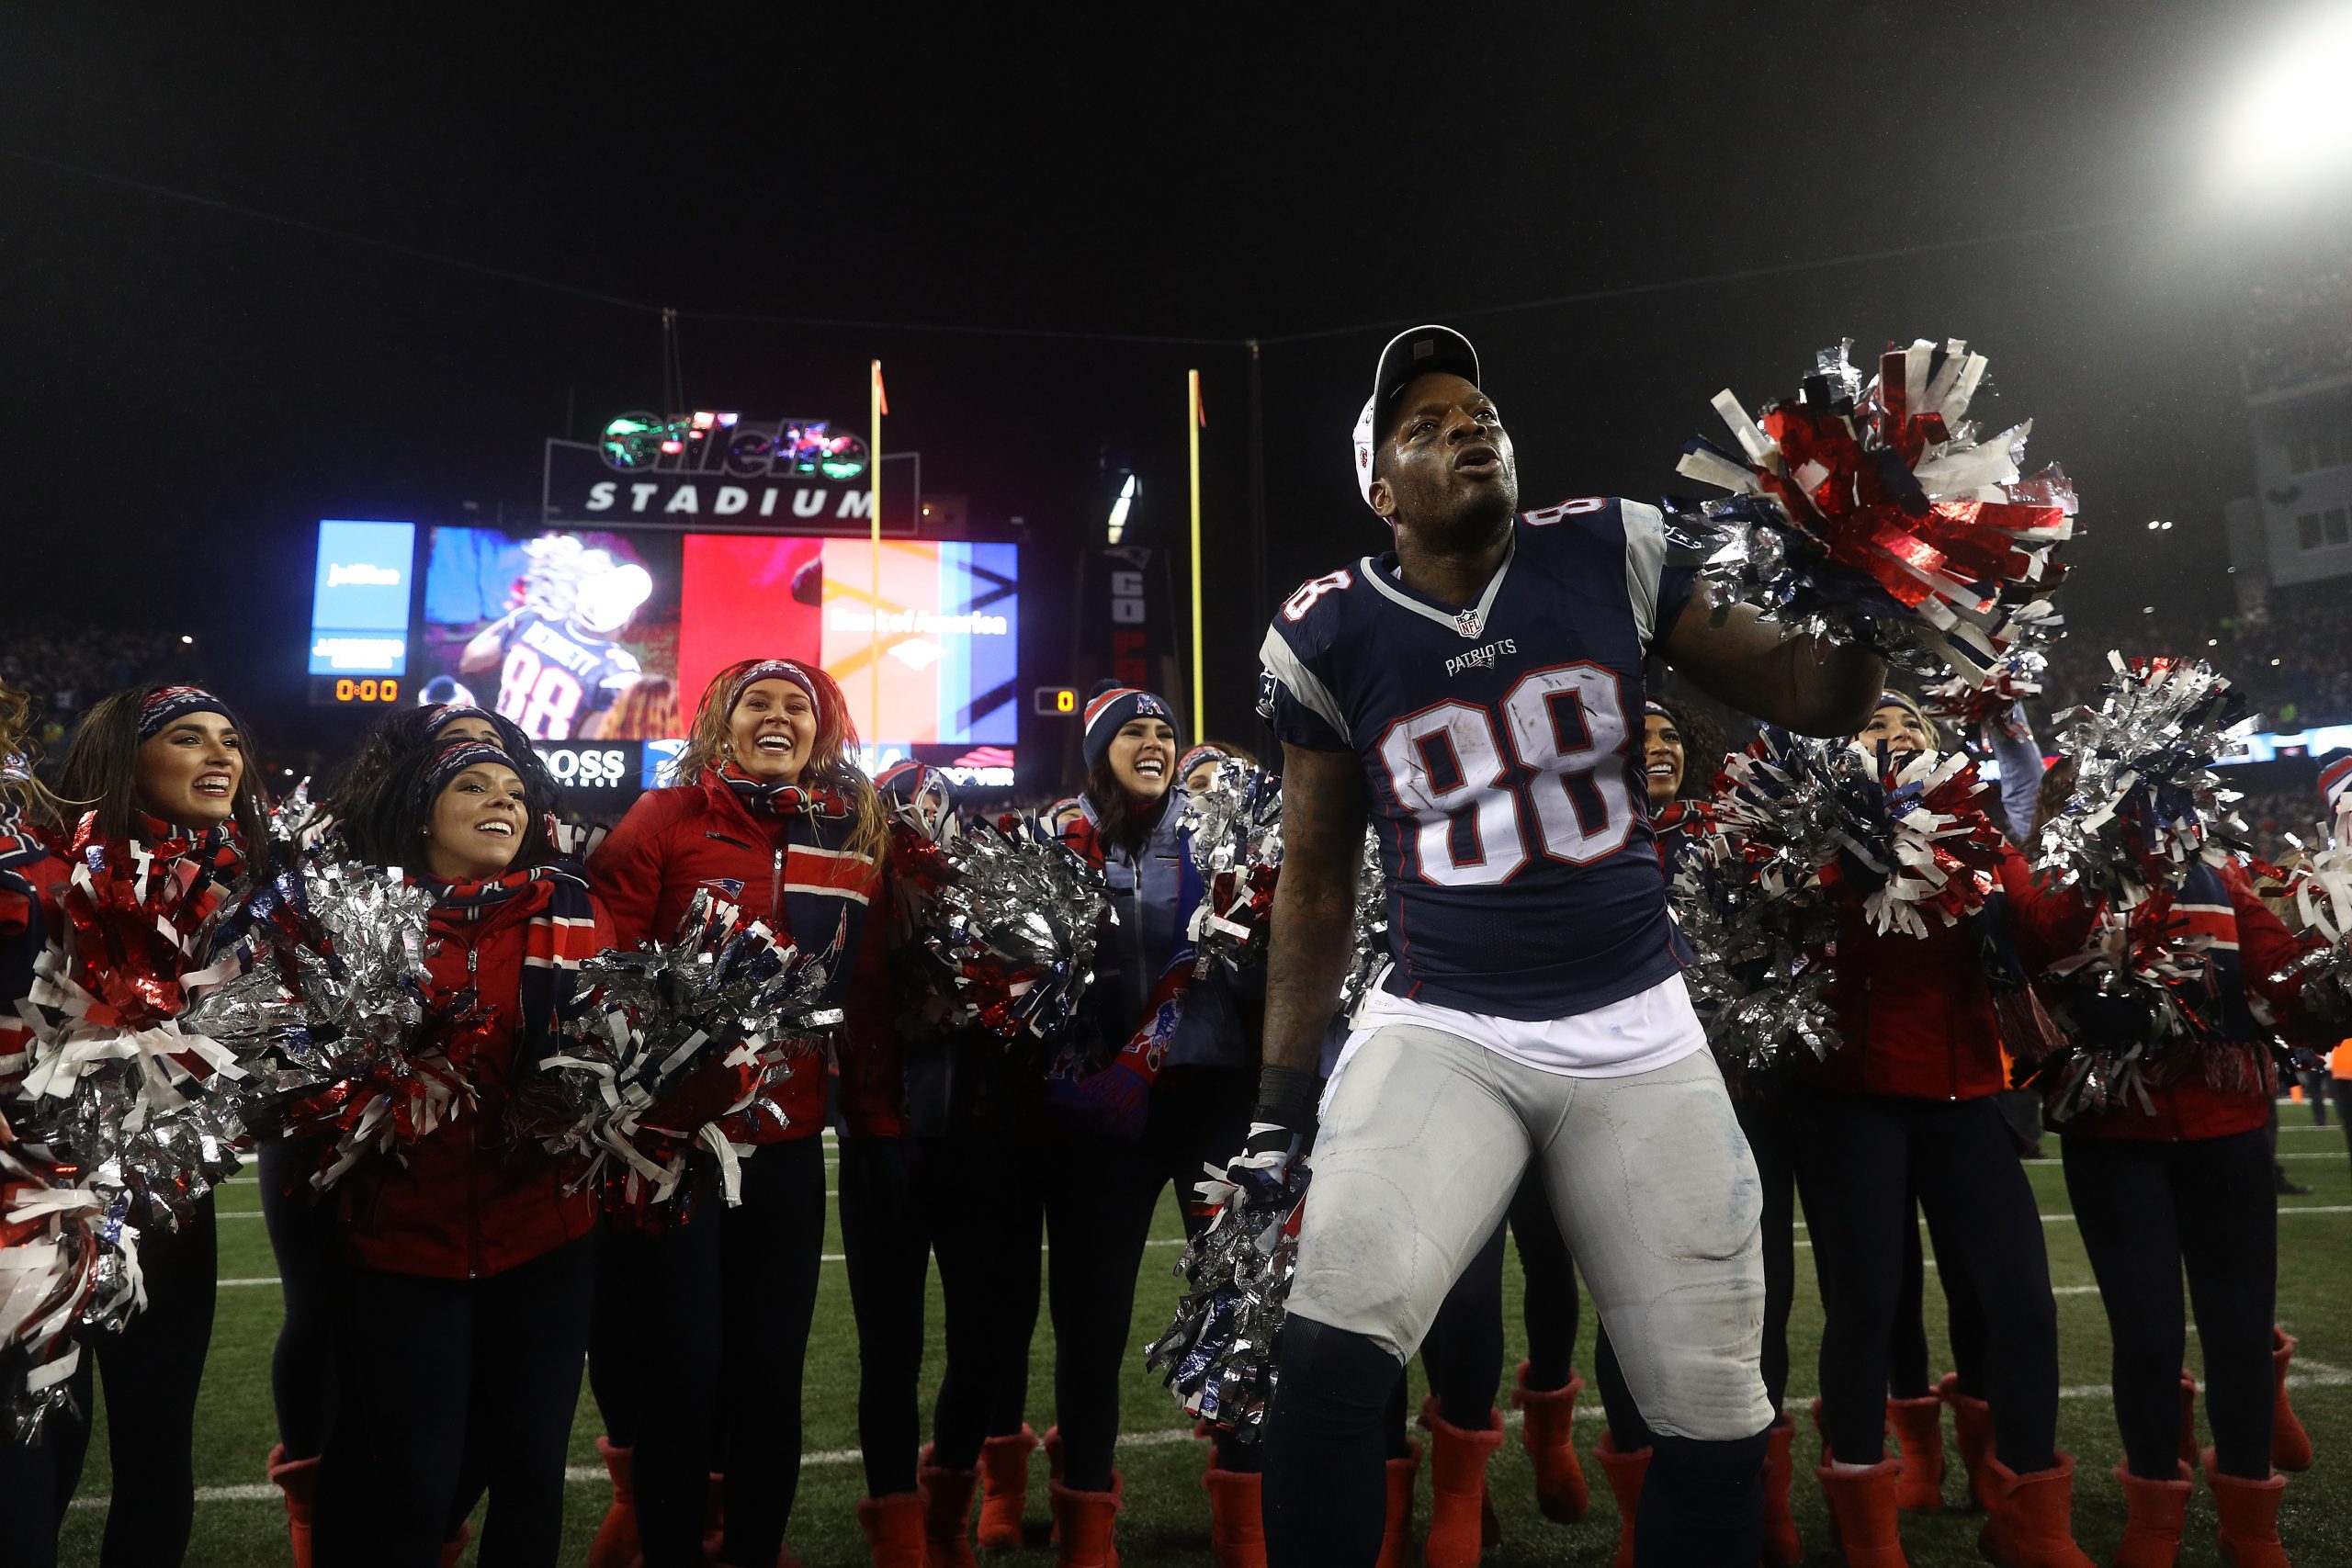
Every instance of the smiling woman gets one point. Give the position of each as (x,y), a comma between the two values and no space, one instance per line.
(470,1241)
(157,775)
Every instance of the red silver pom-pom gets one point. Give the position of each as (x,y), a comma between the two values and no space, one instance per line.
(1236,825)
(1971,706)
(2146,803)
(2144,982)
(2316,891)
(1860,511)
(69,1261)
(679,1047)
(114,1077)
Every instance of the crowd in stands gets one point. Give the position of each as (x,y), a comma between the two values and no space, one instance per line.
(65,663)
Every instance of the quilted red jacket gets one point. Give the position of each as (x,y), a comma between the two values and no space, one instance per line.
(470,1201)
(1917,1012)
(675,843)
(2220,1088)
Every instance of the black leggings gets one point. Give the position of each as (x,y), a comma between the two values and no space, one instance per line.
(717,1310)
(152,1371)
(901,1200)
(2146,1209)
(450,1387)
(2340,1090)
(1863,1156)
(304,1236)
(1099,1203)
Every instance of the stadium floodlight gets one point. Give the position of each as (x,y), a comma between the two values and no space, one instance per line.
(2283,128)
(1117,527)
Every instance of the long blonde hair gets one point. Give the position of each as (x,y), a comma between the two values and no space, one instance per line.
(829,760)
(19,755)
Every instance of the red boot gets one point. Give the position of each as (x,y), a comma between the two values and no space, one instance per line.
(2249,1509)
(1004,1488)
(1918,1425)
(616,1545)
(1862,1513)
(714,1517)
(2033,1518)
(893,1528)
(1624,1473)
(1550,1439)
(2154,1514)
(1396,1537)
(2189,1449)
(2290,1445)
(1972,1425)
(1781,1547)
(947,1514)
(1458,1485)
(1237,1519)
(297,1480)
(1087,1522)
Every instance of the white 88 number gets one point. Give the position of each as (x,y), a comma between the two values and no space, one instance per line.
(540,696)
(1567,725)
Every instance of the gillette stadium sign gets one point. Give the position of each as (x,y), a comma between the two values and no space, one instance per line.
(713,472)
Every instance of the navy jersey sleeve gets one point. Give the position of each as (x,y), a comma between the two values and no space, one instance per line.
(1658,593)
(1293,697)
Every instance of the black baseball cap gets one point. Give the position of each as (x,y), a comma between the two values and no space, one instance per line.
(1423,351)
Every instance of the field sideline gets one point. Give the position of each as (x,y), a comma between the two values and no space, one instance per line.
(240,1522)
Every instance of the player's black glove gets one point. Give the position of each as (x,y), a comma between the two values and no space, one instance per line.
(1283,1123)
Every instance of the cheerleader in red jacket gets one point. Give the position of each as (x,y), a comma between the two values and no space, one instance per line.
(36,1478)
(462,1307)
(305,1232)
(2175,1174)
(704,1323)
(1905,1105)
(160,772)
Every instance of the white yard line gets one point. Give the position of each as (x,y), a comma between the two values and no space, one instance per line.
(2308,1374)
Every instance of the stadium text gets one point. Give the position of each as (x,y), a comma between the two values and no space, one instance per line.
(727,501)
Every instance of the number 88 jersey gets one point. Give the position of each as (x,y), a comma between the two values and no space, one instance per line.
(1501,744)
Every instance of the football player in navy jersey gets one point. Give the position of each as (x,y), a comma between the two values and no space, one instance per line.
(1476,694)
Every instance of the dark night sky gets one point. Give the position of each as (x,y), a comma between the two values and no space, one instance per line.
(192,387)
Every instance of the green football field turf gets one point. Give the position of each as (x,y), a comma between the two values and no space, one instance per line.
(239,1520)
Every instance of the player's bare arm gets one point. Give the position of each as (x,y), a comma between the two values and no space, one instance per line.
(487,646)
(1315,902)
(1799,683)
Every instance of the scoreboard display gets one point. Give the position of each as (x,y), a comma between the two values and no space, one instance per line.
(598,642)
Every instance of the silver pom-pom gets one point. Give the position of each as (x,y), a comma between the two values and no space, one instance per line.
(1369,955)
(676,1043)
(2146,803)
(1012,925)
(1236,826)
(1218,1354)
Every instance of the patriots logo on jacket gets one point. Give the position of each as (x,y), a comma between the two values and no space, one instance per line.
(730,886)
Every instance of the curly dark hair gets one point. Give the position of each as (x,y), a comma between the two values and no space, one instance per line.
(348,793)
(390,827)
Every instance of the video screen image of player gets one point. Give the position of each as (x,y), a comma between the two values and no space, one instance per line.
(573,635)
